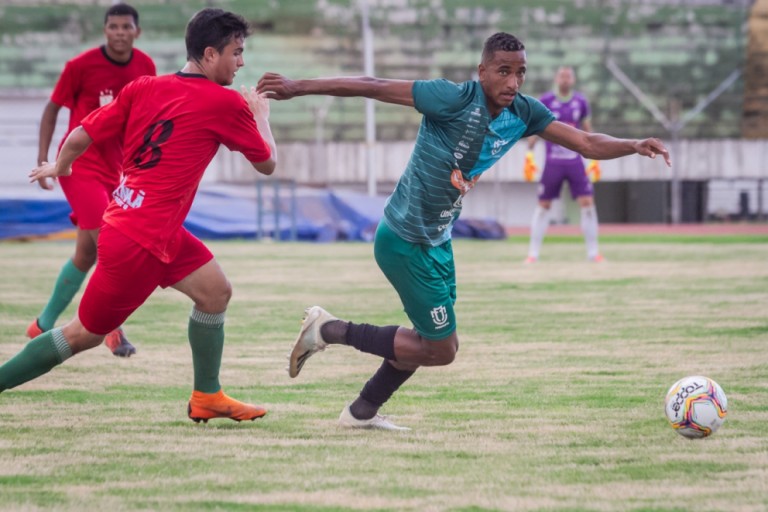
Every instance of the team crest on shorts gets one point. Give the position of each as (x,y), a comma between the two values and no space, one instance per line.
(439,316)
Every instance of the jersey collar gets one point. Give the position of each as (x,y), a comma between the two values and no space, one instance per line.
(182,74)
(103,49)
(562,99)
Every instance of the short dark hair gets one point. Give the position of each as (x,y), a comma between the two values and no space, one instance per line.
(214,28)
(501,42)
(122,10)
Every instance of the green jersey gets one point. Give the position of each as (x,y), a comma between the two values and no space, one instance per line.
(457,142)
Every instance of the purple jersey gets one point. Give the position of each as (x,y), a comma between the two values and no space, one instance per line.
(572,111)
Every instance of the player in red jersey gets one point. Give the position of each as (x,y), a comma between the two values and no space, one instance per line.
(89,81)
(172,127)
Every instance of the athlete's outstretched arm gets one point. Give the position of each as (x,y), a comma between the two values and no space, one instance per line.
(600,146)
(75,145)
(278,87)
(47,127)
(259,105)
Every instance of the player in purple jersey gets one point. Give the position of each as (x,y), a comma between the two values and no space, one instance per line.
(563,164)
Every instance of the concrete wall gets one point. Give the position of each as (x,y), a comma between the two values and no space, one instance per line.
(344,162)
(501,194)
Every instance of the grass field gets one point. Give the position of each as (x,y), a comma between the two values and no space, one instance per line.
(555,401)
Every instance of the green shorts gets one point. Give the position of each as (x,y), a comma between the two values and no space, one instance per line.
(424,277)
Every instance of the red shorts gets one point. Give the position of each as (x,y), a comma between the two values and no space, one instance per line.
(126,275)
(87,196)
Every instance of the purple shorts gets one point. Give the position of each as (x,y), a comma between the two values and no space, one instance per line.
(556,172)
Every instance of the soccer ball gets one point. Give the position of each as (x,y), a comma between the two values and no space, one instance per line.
(696,406)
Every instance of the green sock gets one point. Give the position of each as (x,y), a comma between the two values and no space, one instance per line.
(206,337)
(39,356)
(69,281)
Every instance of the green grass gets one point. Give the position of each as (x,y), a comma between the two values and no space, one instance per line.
(555,401)
(651,238)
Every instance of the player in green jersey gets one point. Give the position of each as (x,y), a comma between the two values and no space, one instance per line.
(466,128)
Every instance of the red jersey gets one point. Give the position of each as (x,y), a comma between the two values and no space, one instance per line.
(172,126)
(89,81)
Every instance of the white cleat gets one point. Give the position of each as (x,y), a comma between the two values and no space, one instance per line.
(309,340)
(378,422)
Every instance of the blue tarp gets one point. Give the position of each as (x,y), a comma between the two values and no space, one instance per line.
(234,212)
(33,217)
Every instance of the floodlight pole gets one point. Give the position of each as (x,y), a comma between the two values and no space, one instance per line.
(370,114)
(675,192)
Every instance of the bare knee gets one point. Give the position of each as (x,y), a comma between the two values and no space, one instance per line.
(79,338)
(217,298)
(412,350)
(85,250)
(84,262)
(441,352)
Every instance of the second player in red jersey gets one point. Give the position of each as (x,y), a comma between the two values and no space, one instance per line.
(91,80)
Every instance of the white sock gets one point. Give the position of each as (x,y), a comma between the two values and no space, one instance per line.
(589,228)
(539,225)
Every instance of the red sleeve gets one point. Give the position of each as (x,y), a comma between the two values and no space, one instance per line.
(109,121)
(241,134)
(149,65)
(153,69)
(64,91)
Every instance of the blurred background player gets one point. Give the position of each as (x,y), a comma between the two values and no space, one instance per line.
(563,164)
(89,81)
(172,127)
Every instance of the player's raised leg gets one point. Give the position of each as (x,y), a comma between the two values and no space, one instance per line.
(46,351)
(403,350)
(75,270)
(428,301)
(68,282)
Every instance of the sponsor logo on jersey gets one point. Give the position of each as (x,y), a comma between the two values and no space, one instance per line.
(126,197)
(498,146)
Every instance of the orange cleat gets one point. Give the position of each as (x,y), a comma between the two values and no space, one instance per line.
(34,330)
(119,344)
(204,406)
(597,259)
(529,260)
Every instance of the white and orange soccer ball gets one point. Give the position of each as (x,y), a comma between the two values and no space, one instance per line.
(696,406)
